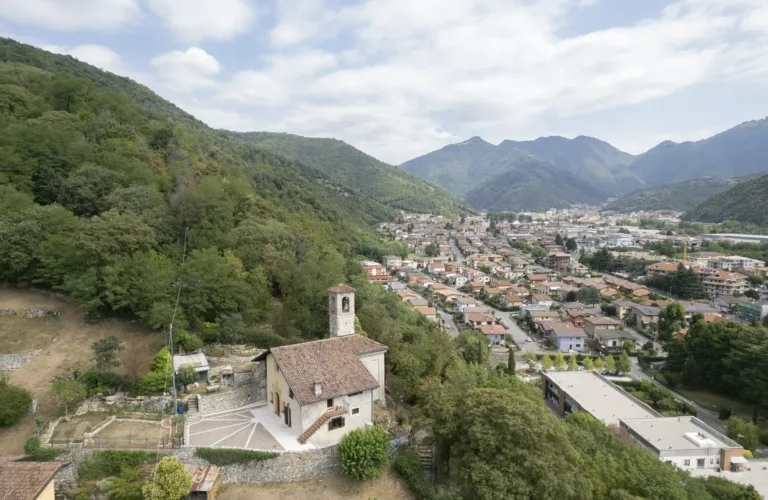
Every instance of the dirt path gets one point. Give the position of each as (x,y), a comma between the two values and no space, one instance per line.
(328,488)
(65,346)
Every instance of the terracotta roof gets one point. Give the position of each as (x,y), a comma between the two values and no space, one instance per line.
(541,296)
(25,480)
(493,330)
(341,288)
(426,311)
(478,318)
(333,362)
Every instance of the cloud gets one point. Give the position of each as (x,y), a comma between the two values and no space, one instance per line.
(186,71)
(405,77)
(70,15)
(196,20)
(98,55)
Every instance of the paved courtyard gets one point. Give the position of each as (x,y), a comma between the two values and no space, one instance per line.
(252,428)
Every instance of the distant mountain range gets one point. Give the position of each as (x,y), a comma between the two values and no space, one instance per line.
(554,172)
(678,196)
(746,201)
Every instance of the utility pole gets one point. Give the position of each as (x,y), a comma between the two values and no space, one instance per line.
(173,371)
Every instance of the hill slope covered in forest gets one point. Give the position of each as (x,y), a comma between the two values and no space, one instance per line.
(679,196)
(745,202)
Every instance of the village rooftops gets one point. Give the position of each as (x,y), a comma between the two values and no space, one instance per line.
(26,480)
(602,320)
(333,362)
(493,330)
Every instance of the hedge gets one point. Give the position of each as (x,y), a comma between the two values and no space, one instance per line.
(408,466)
(110,463)
(224,456)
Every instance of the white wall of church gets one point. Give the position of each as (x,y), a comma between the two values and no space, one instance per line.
(362,402)
(375,364)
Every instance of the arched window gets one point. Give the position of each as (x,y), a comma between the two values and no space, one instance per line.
(345,304)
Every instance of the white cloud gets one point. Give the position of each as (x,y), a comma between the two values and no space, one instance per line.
(100,15)
(98,55)
(188,70)
(195,20)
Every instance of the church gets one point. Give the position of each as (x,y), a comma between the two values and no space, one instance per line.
(325,388)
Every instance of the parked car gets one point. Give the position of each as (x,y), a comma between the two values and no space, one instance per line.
(528,339)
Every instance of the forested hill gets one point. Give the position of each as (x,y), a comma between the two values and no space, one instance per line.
(99,179)
(363,173)
(744,202)
(679,196)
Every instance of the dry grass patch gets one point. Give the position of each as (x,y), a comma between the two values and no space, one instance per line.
(328,488)
(65,344)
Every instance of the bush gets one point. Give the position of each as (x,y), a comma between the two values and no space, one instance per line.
(408,466)
(109,463)
(37,454)
(364,453)
(32,445)
(14,402)
(222,456)
(764,439)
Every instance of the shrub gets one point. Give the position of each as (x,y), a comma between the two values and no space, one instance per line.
(32,445)
(764,439)
(37,454)
(408,467)
(109,463)
(169,481)
(222,456)
(364,453)
(14,402)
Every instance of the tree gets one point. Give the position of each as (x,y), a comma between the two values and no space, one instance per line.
(571,245)
(473,346)
(745,433)
(559,362)
(599,364)
(588,364)
(69,391)
(496,441)
(127,486)
(648,347)
(671,321)
(610,363)
(571,296)
(627,346)
(169,481)
(431,250)
(559,240)
(186,375)
(624,365)
(752,294)
(14,402)
(589,295)
(159,378)
(546,362)
(572,365)
(363,452)
(511,360)
(105,351)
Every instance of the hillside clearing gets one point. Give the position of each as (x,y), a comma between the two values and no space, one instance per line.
(65,345)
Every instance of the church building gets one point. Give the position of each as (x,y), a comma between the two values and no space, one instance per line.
(325,388)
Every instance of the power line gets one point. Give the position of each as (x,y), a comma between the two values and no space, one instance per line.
(173,371)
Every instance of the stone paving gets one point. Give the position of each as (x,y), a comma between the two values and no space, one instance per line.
(252,428)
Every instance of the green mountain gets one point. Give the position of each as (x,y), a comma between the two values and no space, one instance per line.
(503,177)
(360,172)
(744,202)
(737,152)
(531,184)
(678,196)
(593,160)
(103,184)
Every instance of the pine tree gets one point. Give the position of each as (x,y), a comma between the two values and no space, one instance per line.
(559,361)
(511,361)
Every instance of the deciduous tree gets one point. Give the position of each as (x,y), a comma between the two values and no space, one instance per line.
(169,481)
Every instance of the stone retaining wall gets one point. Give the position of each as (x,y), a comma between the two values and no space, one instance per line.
(287,466)
(229,400)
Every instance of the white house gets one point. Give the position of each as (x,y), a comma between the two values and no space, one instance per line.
(325,388)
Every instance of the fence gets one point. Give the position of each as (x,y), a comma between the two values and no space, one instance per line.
(107,443)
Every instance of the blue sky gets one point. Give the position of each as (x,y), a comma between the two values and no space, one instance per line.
(400,78)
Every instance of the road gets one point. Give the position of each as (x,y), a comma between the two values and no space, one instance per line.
(448,323)
(641,339)
(518,334)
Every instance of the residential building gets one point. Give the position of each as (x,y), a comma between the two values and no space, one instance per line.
(753,311)
(392,261)
(599,322)
(470,310)
(459,302)
(324,388)
(511,300)
(457,280)
(720,282)
(536,278)
(686,442)
(538,316)
(427,312)
(612,340)
(196,360)
(497,335)
(533,307)
(642,315)
(478,320)
(661,268)
(542,300)
(565,336)
(27,480)
(735,263)
(375,272)
(560,262)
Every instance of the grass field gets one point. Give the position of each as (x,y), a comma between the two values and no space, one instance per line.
(65,344)
(716,401)
(329,488)
(73,430)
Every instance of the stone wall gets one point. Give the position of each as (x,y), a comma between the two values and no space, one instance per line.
(10,362)
(30,313)
(229,400)
(287,466)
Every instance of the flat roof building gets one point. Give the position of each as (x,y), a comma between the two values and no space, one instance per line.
(686,442)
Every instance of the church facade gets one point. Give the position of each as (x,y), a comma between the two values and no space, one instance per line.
(324,388)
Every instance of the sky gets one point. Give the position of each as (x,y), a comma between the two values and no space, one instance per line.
(401,78)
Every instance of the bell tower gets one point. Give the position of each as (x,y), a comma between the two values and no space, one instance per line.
(341,310)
